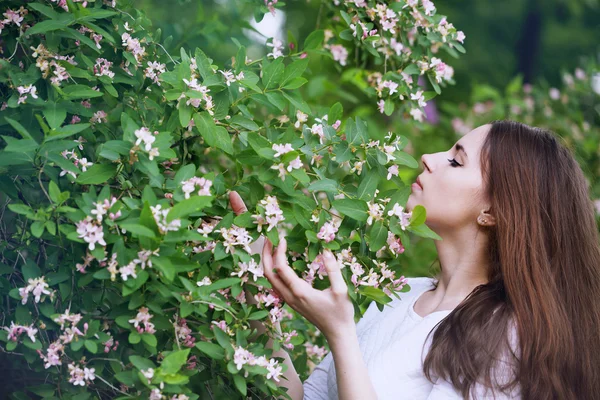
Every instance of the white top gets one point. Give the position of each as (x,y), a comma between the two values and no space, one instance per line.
(391,342)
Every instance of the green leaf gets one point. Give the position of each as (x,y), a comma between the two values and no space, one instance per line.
(277,99)
(375,294)
(377,236)
(135,337)
(419,215)
(403,158)
(388,107)
(37,228)
(215,136)
(244,122)
(325,185)
(141,362)
(259,314)
(138,229)
(424,231)
(314,40)
(48,26)
(203,64)
(80,92)
(368,185)
(96,174)
(240,384)
(273,72)
(66,131)
(295,83)
(356,209)
(55,114)
(172,363)
(189,206)
(54,192)
(19,128)
(91,346)
(21,209)
(294,70)
(335,113)
(297,101)
(212,350)
(149,339)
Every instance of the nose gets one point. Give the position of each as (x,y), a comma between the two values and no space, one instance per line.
(424,160)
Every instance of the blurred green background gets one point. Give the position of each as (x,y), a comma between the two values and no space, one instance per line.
(536,40)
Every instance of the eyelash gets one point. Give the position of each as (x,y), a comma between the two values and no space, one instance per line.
(454,163)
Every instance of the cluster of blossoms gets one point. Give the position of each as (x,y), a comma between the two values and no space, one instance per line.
(80,376)
(102,68)
(14,331)
(243,357)
(26,90)
(270,213)
(296,163)
(48,64)
(267,298)
(36,286)
(148,138)
(277,46)
(143,318)
(90,230)
(99,117)
(256,269)
(57,348)
(13,17)
(328,230)
(189,186)
(287,338)
(154,70)
(111,343)
(230,77)
(236,236)
(134,46)
(184,333)
(97,38)
(101,209)
(160,216)
(315,352)
(63,3)
(222,325)
(143,260)
(82,163)
(197,102)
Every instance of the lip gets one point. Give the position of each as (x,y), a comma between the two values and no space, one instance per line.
(418,182)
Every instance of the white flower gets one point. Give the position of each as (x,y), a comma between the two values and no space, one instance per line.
(281,149)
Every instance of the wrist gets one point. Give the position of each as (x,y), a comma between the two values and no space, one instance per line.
(341,334)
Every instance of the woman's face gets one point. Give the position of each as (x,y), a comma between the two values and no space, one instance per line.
(452,191)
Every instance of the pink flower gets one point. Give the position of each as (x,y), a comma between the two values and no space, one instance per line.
(327,232)
(339,53)
(392,171)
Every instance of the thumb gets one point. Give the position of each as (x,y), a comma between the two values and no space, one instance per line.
(237,204)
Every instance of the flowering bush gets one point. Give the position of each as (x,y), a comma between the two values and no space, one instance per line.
(121,259)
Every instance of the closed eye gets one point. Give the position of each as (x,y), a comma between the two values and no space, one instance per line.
(454,163)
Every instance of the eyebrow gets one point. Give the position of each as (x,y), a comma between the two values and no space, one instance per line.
(459,147)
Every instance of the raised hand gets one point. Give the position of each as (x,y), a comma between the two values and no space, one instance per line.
(330,310)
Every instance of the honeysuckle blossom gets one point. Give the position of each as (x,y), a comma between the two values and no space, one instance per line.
(81,376)
(242,357)
(148,374)
(236,236)
(134,46)
(554,93)
(392,171)
(101,208)
(300,119)
(111,342)
(143,318)
(26,90)
(389,152)
(404,218)
(460,36)
(277,46)
(230,77)
(183,332)
(207,227)
(160,216)
(419,97)
(53,354)
(189,186)
(287,337)
(281,149)
(381,106)
(417,114)
(154,70)
(36,286)
(327,231)
(205,281)
(66,317)
(375,212)
(256,269)
(442,70)
(273,214)
(102,68)
(314,351)
(91,232)
(14,331)
(339,53)
(99,117)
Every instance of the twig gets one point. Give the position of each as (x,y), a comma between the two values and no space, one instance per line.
(114,388)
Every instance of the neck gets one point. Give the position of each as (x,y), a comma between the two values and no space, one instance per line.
(464,264)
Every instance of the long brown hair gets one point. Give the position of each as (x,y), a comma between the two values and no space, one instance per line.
(544,278)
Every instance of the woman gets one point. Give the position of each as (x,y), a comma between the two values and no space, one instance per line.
(514,312)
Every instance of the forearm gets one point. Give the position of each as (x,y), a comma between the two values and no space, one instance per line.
(353,380)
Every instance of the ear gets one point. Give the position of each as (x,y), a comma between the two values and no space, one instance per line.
(486,219)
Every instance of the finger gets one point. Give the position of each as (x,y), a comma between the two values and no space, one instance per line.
(237,204)
(338,285)
(274,279)
(285,272)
